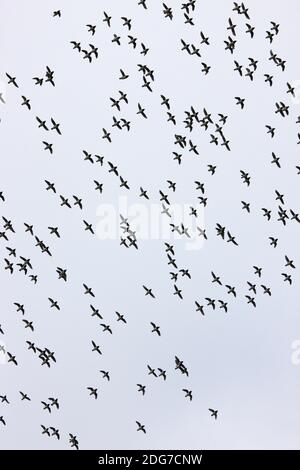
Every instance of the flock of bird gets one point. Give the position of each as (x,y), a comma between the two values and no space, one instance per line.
(194,120)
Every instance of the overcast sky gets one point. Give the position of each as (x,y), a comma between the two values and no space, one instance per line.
(240,362)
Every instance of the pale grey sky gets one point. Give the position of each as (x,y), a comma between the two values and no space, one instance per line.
(239,362)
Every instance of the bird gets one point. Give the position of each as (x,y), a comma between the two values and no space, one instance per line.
(165,102)
(105,374)
(78,202)
(55,432)
(273,241)
(76,45)
(50,186)
(253,63)
(240,102)
(54,303)
(144,50)
(216,278)
(42,124)
(266,290)
(180,366)
(123,76)
(91,28)
(9,265)
(28,324)
(45,430)
(188,393)
(50,76)
(12,358)
(96,348)
(88,291)
(250,300)
(162,373)
(120,317)
(276,160)
(141,111)
(88,227)
(250,30)
(231,27)
(54,402)
(55,126)
(26,102)
(245,177)
(210,302)
(290,89)
(88,156)
(20,307)
(149,292)
(223,305)
(113,169)
(177,292)
(275,27)
(107,19)
(204,39)
(143,193)
(54,231)
(46,406)
(214,413)
(231,239)
(294,216)
(38,81)
(212,169)
(93,392)
(269,79)
(289,262)
(12,80)
(106,135)
(73,441)
(143,4)
(167,11)
(287,278)
(249,73)
(62,273)
(185,273)
(29,228)
(4,399)
(267,213)
(106,328)
(24,396)
(169,248)
(48,147)
(282,109)
(271,130)
(246,206)
(199,308)
(141,388)
(141,427)
(94,50)
(269,36)
(124,183)
(151,371)
(2,420)
(95,312)
(279,197)
(155,329)
(252,287)
(257,271)
(12,251)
